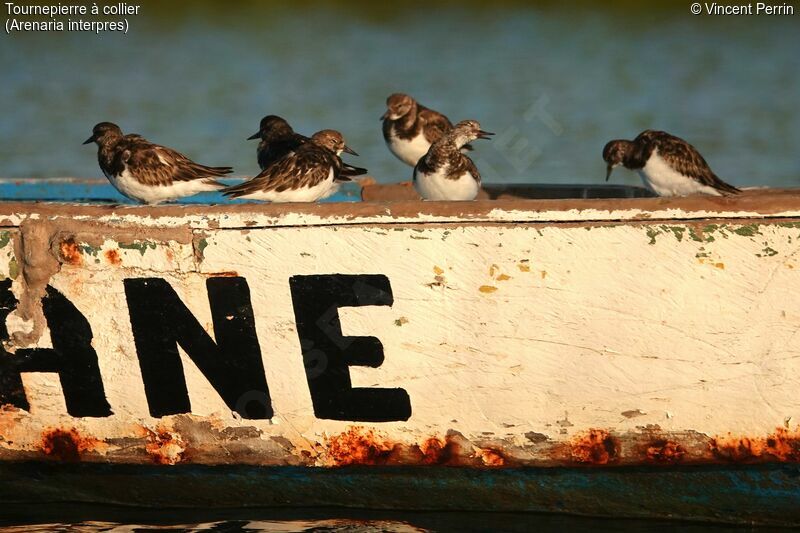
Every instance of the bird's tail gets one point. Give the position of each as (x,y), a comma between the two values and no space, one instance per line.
(216,172)
(214,183)
(348,172)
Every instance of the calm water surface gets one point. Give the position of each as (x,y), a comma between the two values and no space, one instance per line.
(555,81)
(323,520)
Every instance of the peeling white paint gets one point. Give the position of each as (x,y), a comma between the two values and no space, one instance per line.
(500,328)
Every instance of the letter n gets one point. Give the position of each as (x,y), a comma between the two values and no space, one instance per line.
(161,322)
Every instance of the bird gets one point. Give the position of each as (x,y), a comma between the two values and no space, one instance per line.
(147,172)
(444,173)
(410,128)
(278,138)
(668,165)
(309,173)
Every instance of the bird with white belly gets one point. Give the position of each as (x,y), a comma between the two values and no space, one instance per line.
(668,165)
(444,173)
(147,172)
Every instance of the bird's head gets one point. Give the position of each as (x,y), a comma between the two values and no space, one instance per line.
(467,131)
(333,141)
(614,154)
(272,126)
(398,105)
(104,132)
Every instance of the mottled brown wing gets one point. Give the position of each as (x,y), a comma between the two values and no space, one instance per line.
(684,158)
(153,164)
(472,169)
(459,164)
(307,166)
(270,151)
(434,124)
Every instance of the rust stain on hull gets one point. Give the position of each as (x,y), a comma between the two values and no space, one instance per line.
(664,451)
(359,446)
(113,258)
(195,440)
(164,447)
(68,445)
(70,252)
(781,446)
(596,447)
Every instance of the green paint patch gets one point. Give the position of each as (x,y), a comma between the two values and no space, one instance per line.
(767,252)
(88,249)
(704,235)
(749,230)
(142,246)
(400,321)
(5,238)
(202,244)
(709,232)
(678,231)
(13,268)
(653,233)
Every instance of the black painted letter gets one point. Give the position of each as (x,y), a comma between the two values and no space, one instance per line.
(232,365)
(327,353)
(71,356)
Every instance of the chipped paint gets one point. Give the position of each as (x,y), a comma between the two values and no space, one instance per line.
(648,372)
(140,246)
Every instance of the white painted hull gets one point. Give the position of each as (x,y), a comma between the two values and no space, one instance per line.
(507,337)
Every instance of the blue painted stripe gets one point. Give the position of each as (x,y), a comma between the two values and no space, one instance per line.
(86,190)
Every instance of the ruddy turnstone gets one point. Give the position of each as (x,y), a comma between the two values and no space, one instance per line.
(307,174)
(410,128)
(668,165)
(444,173)
(278,138)
(147,172)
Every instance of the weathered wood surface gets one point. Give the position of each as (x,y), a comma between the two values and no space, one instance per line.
(538,333)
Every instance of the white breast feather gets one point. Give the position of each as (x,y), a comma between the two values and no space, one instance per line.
(408,151)
(437,186)
(662,179)
(155,194)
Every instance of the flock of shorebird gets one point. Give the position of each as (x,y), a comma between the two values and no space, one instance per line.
(296,168)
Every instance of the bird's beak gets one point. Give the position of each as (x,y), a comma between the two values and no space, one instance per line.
(609,168)
(385,115)
(256,135)
(484,134)
(349,150)
(89,140)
